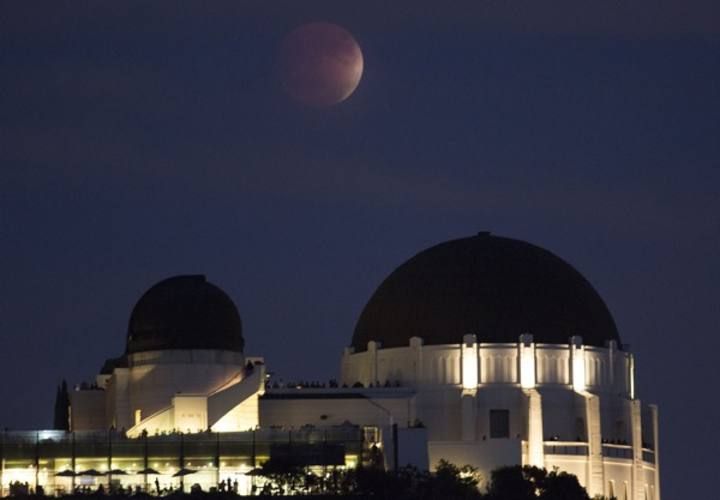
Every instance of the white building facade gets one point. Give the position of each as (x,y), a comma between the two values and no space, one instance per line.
(485,351)
(515,359)
(546,405)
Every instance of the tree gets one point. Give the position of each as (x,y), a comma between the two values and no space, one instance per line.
(61,419)
(525,483)
(284,473)
(447,482)
(511,483)
(451,481)
(562,486)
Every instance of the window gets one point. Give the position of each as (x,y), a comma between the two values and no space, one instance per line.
(138,416)
(499,424)
(372,434)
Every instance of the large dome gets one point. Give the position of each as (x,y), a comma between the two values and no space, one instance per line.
(184,312)
(496,288)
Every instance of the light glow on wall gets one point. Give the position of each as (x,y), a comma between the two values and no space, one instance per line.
(536,448)
(527,365)
(351,461)
(632,377)
(469,363)
(578,368)
(241,418)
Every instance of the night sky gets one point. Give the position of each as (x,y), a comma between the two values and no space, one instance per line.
(140,140)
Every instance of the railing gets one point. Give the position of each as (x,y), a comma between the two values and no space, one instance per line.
(580,448)
(34,447)
(617,451)
(576,448)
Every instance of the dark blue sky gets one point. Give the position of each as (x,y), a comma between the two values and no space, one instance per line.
(144,139)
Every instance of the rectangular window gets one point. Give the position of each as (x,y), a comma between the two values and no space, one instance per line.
(499,424)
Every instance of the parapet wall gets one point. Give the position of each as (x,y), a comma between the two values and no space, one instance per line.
(472,364)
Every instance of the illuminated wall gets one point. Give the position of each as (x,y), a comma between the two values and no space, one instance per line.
(561,404)
(155,377)
(174,390)
(59,461)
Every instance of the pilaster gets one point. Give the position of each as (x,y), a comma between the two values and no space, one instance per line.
(470,379)
(631,376)
(656,448)
(416,344)
(595,471)
(469,360)
(536,441)
(577,364)
(372,350)
(469,415)
(612,348)
(638,485)
(526,360)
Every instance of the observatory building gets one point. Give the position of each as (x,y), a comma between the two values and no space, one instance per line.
(485,350)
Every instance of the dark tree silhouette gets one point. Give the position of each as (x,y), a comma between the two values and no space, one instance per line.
(284,473)
(562,486)
(451,481)
(511,483)
(524,483)
(61,419)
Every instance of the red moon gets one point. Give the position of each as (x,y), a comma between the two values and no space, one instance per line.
(320,63)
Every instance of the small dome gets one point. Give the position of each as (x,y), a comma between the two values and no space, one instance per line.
(184,312)
(496,288)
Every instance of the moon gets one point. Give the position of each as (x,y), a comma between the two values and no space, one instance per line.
(320,64)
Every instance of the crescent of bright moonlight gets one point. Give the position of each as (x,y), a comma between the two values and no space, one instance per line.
(320,63)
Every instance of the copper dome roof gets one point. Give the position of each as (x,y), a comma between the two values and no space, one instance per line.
(184,312)
(496,288)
